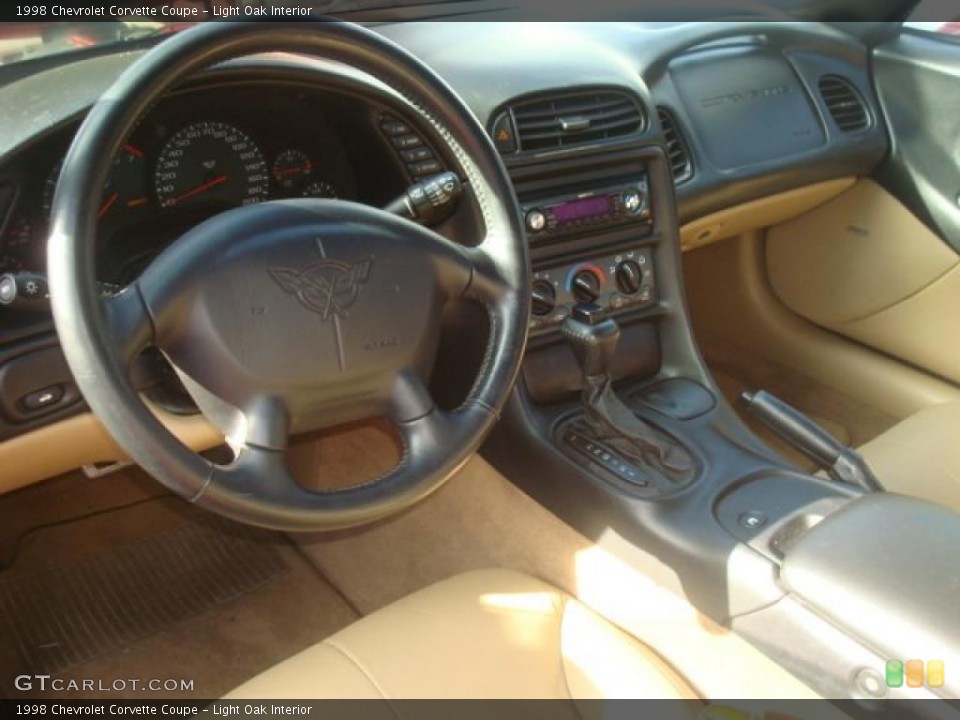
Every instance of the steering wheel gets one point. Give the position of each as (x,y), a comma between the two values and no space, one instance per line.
(288,316)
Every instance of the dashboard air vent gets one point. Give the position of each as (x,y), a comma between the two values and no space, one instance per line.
(844,103)
(575,118)
(677,151)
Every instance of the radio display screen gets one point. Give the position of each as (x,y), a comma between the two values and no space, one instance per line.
(584,208)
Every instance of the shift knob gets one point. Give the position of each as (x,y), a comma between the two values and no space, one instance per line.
(593,336)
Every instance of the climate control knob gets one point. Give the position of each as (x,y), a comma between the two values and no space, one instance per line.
(586,286)
(629,277)
(543,298)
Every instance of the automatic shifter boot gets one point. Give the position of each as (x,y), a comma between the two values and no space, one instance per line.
(609,420)
(594,338)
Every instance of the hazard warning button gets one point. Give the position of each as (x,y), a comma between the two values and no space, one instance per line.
(504,134)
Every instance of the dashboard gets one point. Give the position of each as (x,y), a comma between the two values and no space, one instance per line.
(615,135)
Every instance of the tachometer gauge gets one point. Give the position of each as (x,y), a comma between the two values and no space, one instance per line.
(11,263)
(211,163)
(18,233)
(320,189)
(291,169)
(15,245)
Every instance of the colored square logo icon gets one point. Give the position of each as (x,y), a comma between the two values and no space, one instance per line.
(935,673)
(894,673)
(914,673)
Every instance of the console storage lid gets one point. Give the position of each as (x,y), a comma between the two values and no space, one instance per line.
(886,569)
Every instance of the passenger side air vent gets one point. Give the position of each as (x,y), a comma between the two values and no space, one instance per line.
(575,118)
(844,103)
(677,151)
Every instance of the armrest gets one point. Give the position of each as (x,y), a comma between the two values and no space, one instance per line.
(886,569)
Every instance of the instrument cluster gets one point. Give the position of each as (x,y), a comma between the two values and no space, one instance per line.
(185,162)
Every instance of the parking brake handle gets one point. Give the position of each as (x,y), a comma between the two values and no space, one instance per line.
(840,462)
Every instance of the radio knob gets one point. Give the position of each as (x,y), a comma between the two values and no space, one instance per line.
(586,287)
(536,220)
(632,201)
(629,277)
(543,298)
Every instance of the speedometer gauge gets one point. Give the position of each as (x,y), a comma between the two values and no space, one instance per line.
(211,163)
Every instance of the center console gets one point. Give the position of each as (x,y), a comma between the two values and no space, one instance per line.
(805,567)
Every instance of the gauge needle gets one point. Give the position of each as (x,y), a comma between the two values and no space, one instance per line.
(107,204)
(198,189)
(292,170)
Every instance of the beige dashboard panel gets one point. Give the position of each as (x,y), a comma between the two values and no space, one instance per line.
(863,266)
(854,256)
(760,213)
(82,440)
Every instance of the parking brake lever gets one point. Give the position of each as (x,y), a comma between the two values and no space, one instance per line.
(840,462)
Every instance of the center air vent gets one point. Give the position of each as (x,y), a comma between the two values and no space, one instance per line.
(575,118)
(844,103)
(677,151)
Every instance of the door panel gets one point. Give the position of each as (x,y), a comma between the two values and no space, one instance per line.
(918,82)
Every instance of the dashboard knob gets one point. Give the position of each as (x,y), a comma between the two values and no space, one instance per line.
(586,287)
(629,277)
(632,201)
(536,220)
(543,297)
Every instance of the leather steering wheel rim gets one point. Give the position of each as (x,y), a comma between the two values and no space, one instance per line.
(102,335)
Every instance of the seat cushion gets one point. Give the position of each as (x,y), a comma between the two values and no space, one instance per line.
(921,455)
(484,634)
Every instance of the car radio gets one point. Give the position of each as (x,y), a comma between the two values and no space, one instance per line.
(618,205)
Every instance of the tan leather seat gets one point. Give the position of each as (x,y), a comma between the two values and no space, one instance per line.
(921,455)
(484,634)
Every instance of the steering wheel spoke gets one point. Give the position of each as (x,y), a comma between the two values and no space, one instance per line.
(130,323)
(410,399)
(267,425)
(491,270)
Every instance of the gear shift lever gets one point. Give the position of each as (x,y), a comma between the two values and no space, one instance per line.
(594,336)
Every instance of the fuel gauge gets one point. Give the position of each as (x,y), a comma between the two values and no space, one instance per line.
(126,187)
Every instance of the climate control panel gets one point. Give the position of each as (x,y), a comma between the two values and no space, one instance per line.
(618,282)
